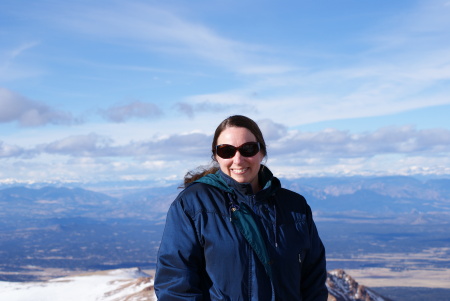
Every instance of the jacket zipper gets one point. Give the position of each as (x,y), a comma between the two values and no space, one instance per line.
(257,210)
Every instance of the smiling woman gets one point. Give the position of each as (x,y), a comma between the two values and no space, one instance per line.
(234,234)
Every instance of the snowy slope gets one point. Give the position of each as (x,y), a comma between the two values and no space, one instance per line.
(114,285)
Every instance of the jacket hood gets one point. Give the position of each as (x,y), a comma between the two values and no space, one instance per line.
(215,180)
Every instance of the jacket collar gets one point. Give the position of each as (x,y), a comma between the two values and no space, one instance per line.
(266,180)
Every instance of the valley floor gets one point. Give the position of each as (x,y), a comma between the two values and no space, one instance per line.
(414,293)
(384,277)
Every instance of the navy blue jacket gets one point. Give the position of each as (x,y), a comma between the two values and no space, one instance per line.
(203,256)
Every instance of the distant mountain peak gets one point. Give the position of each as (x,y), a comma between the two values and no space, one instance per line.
(342,287)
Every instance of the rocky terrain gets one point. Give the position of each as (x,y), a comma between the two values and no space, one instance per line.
(342,287)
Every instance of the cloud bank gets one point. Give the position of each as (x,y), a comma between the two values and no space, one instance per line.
(405,140)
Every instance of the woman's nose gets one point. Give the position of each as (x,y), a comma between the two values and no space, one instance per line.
(238,157)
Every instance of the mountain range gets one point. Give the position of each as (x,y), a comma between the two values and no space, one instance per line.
(388,198)
(351,197)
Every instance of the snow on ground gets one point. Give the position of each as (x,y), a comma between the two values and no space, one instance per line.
(123,284)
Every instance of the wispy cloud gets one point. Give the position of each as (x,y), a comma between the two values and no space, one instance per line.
(20,49)
(159,30)
(11,68)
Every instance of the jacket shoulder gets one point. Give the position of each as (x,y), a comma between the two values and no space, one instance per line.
(292,200)
(291,195)
(201,197)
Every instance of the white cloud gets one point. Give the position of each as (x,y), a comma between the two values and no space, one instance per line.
(10,150)
(80,145)
(272,131)
(201,104)
(28,113)
(135,109)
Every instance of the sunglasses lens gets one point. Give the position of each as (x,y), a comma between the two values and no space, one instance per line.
(226,151)
(249,149)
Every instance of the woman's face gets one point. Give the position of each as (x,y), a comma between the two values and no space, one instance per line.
(240,168)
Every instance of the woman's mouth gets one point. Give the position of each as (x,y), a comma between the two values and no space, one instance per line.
(239,171)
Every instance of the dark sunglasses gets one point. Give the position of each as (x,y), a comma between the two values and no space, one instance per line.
(226,151)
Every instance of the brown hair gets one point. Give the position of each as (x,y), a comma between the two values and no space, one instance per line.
(232,121)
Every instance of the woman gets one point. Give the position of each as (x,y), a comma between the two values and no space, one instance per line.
(234,234)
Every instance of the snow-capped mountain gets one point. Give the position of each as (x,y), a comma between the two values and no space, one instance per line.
(342,287)
(135,285)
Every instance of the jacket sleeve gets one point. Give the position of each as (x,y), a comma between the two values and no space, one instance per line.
(180,259)
(314,272)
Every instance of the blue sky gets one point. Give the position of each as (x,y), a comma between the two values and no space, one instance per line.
(94,91)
